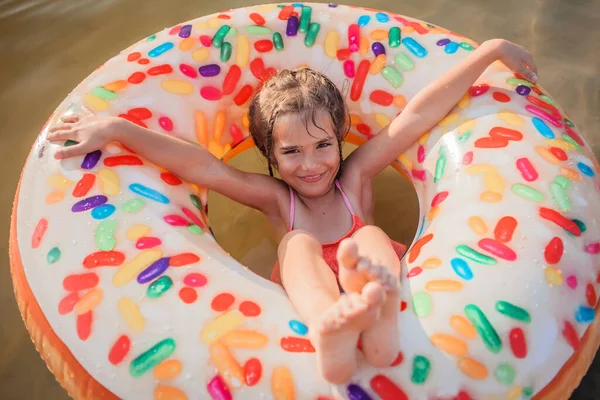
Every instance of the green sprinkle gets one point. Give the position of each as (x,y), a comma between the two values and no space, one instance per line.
(217,40)
(196,201)
(159,287)
(53,255)
(563,181)
(232,32)
(568,122)
(311,35)
(132,206)
(464,137)
(421,304)
(392,76)
(394,37)
(258,30)
(404,62)
(104,94)
(527,192)
(152,357)
(70,143)
(278,41)
(517,82)
(305,19)
(572,141)
(474,255)
(440,167)
(580,224)
(104,235)
(195,229)
(484,328)
(151,38)
(560,197)
(548,99)
(505,374)
(527,391)
(466,46)
(512,311)
(420,370)
(225,52)
(280,6)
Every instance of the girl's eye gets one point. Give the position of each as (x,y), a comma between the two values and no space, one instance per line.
(322,145)
(290,151)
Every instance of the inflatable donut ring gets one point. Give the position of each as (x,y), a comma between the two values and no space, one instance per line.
(126,293)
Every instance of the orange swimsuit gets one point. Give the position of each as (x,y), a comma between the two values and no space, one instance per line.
(330,249)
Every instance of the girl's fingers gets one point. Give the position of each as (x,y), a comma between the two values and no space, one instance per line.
(70,119)
(61,135)
(71,151)
(60,127)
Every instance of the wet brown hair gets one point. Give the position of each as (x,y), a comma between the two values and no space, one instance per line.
(301,91)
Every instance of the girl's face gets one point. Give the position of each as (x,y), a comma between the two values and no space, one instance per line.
(308,162)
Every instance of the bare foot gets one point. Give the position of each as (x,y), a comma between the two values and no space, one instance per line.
(336,333)
(380,343)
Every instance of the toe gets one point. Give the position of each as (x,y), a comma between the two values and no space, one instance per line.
(373,294)
(347,253)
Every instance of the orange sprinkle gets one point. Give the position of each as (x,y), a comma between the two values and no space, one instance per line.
(416,248)
(229,368)
(433,213)
(116,85)
(89,301)
(463,326)
(282,384)
(201,127)
(249,309)
(222,302)
(219,126)
(472,368)
(444,285)
(168,369)
(245,339)
(379,34)
(431,263)
(187,43)
(450,344)
(364,46)
(570,174)
(377,64)
(477,224)
(163,392)
(55,197)
(547,155)
(491,197)
(400,101)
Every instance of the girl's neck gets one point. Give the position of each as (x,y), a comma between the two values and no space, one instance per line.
(321,202)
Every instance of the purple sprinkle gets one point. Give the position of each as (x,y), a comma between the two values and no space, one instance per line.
(209,70)
(378,48)
(91,159)
(185,31)
(41,152)
(355,392)
(523,90)
(292,26)
(90,202)
(443,42)
(154,270)
(331,5)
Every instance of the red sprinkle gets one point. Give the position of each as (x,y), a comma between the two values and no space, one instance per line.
(257,19)
(67,303)
(84,185)
(76,282)
(574,135)
(414,272)
(122,160)
(104,259)
(84,325)
(559,153)
(462,395)
(140,112)
(504,229)
(183,259)
(554,251)
(398,360)
(364,129)
(419,174)
(510,134)
(343,54)
(570,335)
(359,80)
(119,350)
(421,154)
(403,306)
(527,169)
(188,213)
(296,345)
(518,344)
(175,30)
(222,302)
(491,143)
(170,179)
(478,90)
(590,295)
(143,61)
(188,295)
(38,233)
(439,198)
(236,134)
(231,79)
(243,95)
(133,56)
(195,279)
(206,40)
(467,158)
(249,308)
(498,249)
(501,97)
(286,12)
(559,220)
(263,46)
(210,93)
(252,371)
(166,123)
(176,220)
(257,67)
(133,120)
(136,78)
(224,16)
(160,70)
(381,97)
(386,389)
(147,242)
(188,70)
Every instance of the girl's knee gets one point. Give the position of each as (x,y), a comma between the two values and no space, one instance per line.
(298,239)
(370,231)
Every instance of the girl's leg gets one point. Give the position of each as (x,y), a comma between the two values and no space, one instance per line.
(368,256)
(335,322)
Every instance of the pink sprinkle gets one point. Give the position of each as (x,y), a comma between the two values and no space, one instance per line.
(217,389)
(206,40)
(419,174)
(166,123)
(210,93)
(544,115)
(349,69)
(414,272)
(439,198)
(188,213)
(421,154)
(195,279)
(467,158)
(176,220)
(147,242)
(572,281)
(188,71)
(175,30)
(593,248)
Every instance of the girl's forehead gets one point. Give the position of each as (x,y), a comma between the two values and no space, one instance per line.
(299,128)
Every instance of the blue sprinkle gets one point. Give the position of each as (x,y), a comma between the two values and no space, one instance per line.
(542,128)
(297,5)
(414,47)
(461,268)
(355,392)
(585,169)
(298,327)
(363,20)
(584,314)
(451,48)
(163,48)
(148,193)
(381,17)
(104,211)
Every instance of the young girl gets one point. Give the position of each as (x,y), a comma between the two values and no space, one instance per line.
(323,213)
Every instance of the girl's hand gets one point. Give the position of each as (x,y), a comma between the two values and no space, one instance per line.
(90,131)
(515,57)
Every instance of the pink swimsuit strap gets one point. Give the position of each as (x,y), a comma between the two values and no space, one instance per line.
(293,203)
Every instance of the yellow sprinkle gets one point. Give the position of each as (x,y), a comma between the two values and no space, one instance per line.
(55,197)
(399,101)
(382,120)
(230,369)
(110,182)
(547,155)
(215,149)
(511,118)
(246,120)
(514,393)
(354,119)
(59,182)
(201,25)
(96,102)
(220,326)
(243,51)
(554,276)
(201,127)
(466,125)
(494,182)
(477,224)
(331,43)
(177,87)
(561,144)
(405,161)
(570,174)
(465,101)
(478,169)
(168,369)
(131,314)
(408,29)
(444,285)
(219,127)
(267,8)
(450,344)
(200,54)
(195,188)
(424,138)
(214,22)
(377,64)
(379,34)
(137,231)
(449,119)
(364,46)
(89,301)
(431,263)
(130,270)
(433,213)
(187,43)
(116,85)
(491,197)
(282,384)
(242,339)
(463,326)
(473,369)
(163,392)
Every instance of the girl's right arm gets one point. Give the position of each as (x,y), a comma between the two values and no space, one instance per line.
(188,161)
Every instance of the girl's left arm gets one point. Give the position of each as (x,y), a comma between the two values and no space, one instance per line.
(433,103)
